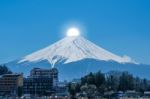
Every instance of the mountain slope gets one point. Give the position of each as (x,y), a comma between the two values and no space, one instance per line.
(73,49)
(74,57)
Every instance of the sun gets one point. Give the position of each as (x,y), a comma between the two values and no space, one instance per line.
(73,32)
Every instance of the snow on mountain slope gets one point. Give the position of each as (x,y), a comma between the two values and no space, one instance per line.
(73,49)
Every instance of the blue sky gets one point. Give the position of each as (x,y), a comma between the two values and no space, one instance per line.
(120,26)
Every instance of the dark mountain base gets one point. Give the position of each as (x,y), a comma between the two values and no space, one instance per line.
(80,68)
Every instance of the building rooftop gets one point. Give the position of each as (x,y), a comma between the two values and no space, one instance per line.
(11,75)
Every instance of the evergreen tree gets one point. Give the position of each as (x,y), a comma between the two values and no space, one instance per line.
(4,70)
(126,82)
(90,79)
(115,81)
(99,79)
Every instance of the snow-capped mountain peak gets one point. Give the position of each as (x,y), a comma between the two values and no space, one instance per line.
(71,49)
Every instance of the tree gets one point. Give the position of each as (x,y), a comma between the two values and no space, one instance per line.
(112,81)
(99,79)
(4,70)
(126,82)
(73,88)
(91,79)
(89,89)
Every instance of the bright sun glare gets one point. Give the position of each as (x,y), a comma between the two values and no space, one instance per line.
(73,32)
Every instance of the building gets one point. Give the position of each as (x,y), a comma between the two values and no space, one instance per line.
(146,94)
(54,75)
(132,94)
(38,72)
(50,73)
(62,89)
(41,82)
(10,84)
(38,86)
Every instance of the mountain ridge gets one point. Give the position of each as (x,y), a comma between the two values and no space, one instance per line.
(74,49)
(75,57)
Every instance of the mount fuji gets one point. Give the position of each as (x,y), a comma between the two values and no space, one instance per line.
(74,57)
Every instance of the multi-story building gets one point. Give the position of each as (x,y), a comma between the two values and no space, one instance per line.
(41,81)
(11,83)
(38,86)
(38,72)
(54,75)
